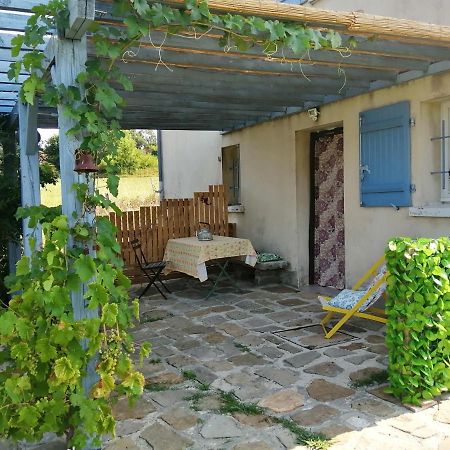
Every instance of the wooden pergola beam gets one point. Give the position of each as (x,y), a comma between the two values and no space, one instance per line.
(29,171)
(354,23)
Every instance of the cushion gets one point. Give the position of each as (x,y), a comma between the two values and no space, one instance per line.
(347,298)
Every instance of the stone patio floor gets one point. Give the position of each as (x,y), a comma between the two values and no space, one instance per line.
(235,342)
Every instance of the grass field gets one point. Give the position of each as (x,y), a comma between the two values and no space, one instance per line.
(134,191)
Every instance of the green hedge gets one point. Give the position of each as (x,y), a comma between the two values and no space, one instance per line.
(418,309)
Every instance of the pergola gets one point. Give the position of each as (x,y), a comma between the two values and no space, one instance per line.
(189,82)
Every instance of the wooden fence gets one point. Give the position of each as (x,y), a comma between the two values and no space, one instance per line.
(173,218)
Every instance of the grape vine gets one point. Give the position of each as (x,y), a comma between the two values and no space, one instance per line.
(45,351)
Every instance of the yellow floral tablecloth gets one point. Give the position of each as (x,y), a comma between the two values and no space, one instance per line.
(189,255)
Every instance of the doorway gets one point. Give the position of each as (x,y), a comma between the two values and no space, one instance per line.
(327,237)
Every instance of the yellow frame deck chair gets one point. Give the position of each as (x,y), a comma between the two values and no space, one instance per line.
(357,303)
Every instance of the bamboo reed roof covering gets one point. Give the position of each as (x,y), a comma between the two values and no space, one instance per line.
(183,82)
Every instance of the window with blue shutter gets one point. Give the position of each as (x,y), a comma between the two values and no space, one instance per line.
(385,156)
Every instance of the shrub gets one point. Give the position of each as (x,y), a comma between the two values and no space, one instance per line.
(418,309)
(126,157)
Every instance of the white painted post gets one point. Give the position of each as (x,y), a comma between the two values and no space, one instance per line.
(70,57)
(29,170)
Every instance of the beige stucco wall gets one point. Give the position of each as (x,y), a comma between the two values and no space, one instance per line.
(275,178)
(432,11)
(191,161)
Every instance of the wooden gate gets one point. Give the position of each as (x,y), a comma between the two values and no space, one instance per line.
(173,218)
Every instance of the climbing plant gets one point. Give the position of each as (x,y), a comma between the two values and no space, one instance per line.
(418,309)
(46,348)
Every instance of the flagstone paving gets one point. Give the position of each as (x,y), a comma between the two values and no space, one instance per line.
(239,342)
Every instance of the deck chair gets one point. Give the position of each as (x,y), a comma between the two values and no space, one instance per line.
(356,302)
(151,270)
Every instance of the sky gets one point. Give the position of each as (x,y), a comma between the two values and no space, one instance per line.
(47,133)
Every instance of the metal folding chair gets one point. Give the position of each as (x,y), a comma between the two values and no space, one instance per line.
(151,270)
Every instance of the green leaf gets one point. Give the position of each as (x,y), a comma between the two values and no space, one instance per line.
(45,350)
(73,282)
(14,71)
(25,329)
(23,266)
(7,321)
(29,88)
(16,387)
(134,383)
(85,267)
(65,372)
(28,416)
(141,7)
(112,183)
(298,43)
(20,351)
(125,82)
(48,283)
(109,314)
(144,351)
(16,44)
(61,223)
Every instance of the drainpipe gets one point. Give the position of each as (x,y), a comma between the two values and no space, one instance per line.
(160,164)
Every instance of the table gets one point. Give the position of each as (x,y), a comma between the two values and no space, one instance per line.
(189,256)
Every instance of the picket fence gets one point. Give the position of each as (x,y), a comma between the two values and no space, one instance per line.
(172,218)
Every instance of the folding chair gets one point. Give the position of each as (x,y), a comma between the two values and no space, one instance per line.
(151,270)
(357,303)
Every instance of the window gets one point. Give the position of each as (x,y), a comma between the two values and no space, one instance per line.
(445,152)
(231,173)
(385,156)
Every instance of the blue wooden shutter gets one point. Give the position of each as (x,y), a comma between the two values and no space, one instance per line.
(385,160)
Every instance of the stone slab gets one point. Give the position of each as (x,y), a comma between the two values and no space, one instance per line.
(247,359)
(364,374)
(325,391)
(232,329)
(220,427)
(302,359)
(357,360)
(373,407)
(161,437)
(180,418)
(126,427)
(166,378)
(333,430)
(122,410)
(315,415)
(443,413)
(170,397)
(283,401)
(326,369)
(125,443)
(255,445)
(180,361)
(209,403)
(255,421)
(283,377)
(336,352)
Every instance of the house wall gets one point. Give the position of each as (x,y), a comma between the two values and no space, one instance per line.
(191,161)
(275,178)
(425,11)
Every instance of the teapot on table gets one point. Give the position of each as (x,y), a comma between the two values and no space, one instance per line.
(204,232)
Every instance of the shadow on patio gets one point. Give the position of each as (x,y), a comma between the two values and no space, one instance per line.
(264,345)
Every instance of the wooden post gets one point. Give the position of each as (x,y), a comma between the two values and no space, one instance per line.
(29,170)
(10,170)
(70,57)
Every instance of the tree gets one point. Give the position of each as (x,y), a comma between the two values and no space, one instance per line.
(134,151)
(127,157)
(49,151)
